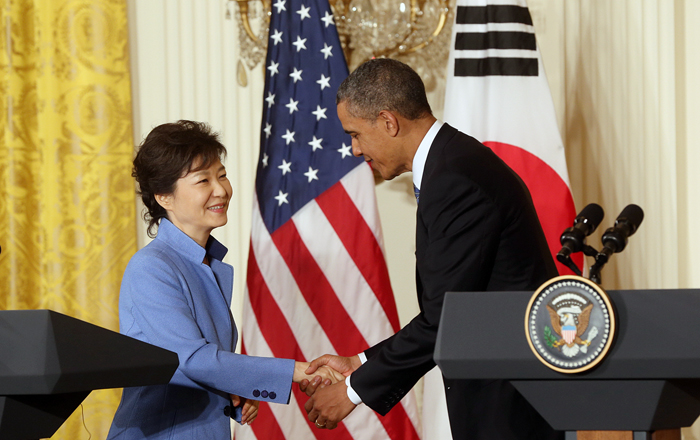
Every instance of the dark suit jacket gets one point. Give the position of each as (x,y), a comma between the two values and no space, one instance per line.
(477,230)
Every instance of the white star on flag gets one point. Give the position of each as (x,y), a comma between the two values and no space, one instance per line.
(281,198)
(280,6)
(304,12)
(345,150)
(324,82)
(288,136)
(326,51)
(296,75)
(316,144)
(286,167)
(320,113)
(328,19)
(300,43)
(311,174)
(273,68)
(292,106)
(270,99)
(268,129)
(276,37)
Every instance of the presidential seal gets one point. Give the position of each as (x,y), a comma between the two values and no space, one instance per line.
(570,324)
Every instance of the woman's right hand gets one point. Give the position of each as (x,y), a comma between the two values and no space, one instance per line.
(339,364)
(324,374)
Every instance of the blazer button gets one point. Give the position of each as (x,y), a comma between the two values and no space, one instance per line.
(272,395)
(256,393)
(227,410)
(264,394)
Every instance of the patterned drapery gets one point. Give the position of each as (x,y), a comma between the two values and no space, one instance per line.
(67,216)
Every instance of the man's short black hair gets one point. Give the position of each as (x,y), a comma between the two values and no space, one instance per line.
(384,84)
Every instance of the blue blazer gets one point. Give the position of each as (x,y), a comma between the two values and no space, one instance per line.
(169,298)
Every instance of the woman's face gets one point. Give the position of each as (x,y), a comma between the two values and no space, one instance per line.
(199,202)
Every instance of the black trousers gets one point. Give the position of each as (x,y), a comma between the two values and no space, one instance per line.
(493,410)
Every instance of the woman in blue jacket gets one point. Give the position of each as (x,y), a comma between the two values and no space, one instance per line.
(176,294)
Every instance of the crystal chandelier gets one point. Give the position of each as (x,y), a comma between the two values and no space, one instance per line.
(415,31)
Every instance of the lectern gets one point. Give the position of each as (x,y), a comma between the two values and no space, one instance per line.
(649,380)
(50,362)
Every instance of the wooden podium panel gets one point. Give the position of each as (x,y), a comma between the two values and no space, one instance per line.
(666,434)
(604,435)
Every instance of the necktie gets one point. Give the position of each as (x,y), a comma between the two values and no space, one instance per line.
(416,191)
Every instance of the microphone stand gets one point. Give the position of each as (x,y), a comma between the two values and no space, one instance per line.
(568,262)
(594,273)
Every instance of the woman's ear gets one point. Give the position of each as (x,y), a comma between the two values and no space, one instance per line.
(164,200)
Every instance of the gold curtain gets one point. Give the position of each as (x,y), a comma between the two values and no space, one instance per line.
(67,220)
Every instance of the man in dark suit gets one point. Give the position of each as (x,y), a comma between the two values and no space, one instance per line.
(476,230)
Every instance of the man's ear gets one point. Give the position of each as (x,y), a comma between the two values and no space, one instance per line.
(389,122)
(164,200)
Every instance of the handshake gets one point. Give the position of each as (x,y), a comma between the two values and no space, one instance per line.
(323,380)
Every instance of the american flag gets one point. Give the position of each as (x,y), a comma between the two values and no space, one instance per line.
(317,280)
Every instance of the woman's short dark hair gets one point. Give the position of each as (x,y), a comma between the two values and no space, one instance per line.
(384,84)
(169,152)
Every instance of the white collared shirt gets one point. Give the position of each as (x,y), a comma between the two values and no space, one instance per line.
(422,153)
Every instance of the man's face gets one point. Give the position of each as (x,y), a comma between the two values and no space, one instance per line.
(372,140)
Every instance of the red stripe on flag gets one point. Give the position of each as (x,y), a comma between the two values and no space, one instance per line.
(320,297)
(278,336)
(271,321)
(550,195)
(283,344)
(361,244)
(398,425)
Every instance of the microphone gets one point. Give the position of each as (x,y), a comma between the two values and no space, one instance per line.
(615,238)
(573,238)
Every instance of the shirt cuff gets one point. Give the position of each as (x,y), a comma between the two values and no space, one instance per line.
(352,395)
(362,356)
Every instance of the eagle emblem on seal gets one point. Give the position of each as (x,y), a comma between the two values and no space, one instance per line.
(570,314)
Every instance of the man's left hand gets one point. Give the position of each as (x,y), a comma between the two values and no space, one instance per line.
(329,405)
